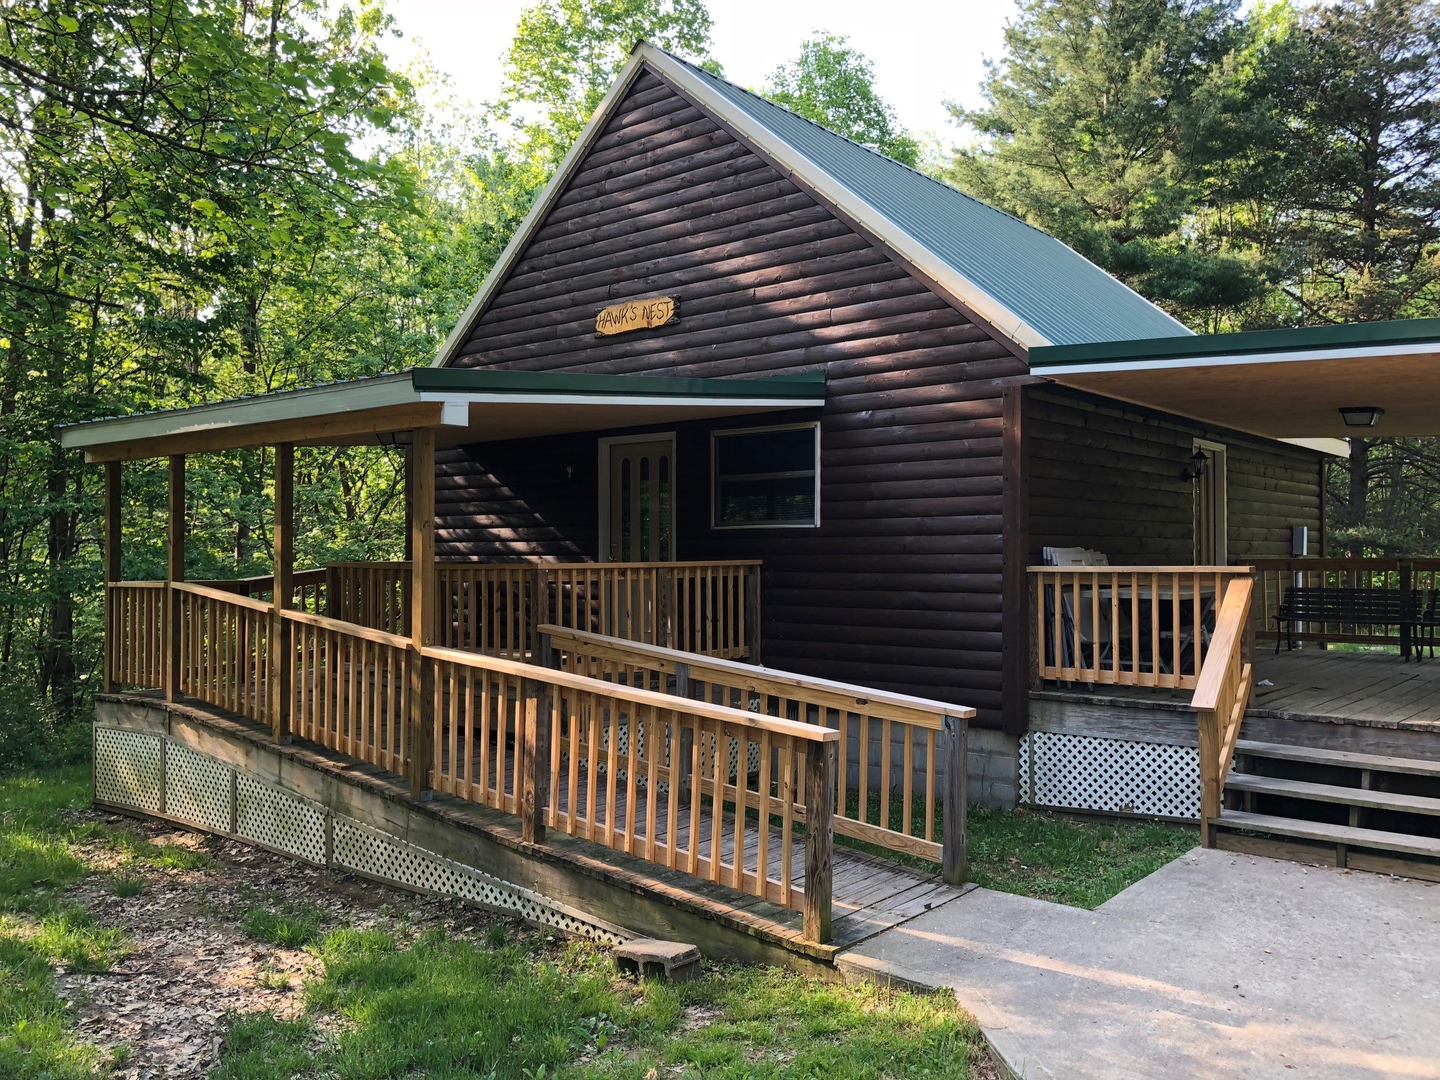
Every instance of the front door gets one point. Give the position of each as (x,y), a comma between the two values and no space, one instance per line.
(1211,523)
(637,515)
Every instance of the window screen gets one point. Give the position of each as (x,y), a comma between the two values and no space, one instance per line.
(766,477)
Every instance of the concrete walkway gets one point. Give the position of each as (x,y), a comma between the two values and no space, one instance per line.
(1218,965)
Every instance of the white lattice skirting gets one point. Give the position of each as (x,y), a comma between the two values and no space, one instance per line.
(165,778)
(1082,772)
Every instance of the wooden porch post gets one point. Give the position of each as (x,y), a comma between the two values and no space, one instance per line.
(819,837)
(174,571)
(752,614)
(954,735)
(1015,621)
(422,609)
(282,594)
(112,569)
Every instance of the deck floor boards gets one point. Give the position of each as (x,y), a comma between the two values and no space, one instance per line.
(1348,686)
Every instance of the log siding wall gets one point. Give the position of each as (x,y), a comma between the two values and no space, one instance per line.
(900,587)
(1106,476)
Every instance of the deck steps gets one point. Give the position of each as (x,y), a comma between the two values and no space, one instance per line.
(1281,793)
(1333,793)
(1345,759)
(1402,843)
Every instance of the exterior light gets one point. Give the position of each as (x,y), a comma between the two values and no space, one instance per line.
(1198,463)
(1361,415)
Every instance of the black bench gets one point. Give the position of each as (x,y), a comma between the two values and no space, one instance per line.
(1427,621)
(1348,606)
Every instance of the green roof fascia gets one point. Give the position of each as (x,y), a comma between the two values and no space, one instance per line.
(807,387)
(1246,343)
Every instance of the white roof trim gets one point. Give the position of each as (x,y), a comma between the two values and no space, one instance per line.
(1352,352)
(538,211)
(792,161)
(312,402)
(1334,447)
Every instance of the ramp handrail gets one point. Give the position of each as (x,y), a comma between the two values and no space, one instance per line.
(1222,695)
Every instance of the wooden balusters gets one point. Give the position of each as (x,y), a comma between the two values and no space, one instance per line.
(1134,626)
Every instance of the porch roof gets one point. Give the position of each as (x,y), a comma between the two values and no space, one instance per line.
(463,405)
(1286,384)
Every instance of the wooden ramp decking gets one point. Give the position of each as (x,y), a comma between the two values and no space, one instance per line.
(870,893)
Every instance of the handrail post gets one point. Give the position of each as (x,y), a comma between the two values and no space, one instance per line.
(752,613)
(534,749)
(953,852)
(282,594)
(421,615)
(819,837)
(175,571)
(112,571)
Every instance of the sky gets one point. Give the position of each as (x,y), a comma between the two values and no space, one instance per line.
(925,51)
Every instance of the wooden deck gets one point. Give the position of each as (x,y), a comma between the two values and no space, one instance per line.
(1366,688)
(1371,701)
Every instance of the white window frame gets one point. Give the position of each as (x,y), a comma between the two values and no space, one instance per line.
(603,480)
(716,435)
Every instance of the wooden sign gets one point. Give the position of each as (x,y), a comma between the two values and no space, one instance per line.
(636,315)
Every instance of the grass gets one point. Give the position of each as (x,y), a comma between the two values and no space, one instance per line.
(456,1010)
(38,929)
(1067,860)
(292,926)
(1050,856)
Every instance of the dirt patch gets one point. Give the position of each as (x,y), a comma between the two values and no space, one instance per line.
(191,963)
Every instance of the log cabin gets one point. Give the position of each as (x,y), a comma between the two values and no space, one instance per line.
(867,498)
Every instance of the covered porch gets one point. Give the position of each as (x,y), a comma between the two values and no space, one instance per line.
(1327,695)
(617,704)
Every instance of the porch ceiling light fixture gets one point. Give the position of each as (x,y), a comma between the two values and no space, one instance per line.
(1361,415)
(1198,463)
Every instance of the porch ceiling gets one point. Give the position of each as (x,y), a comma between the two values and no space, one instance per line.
(1286,384)
(462,405)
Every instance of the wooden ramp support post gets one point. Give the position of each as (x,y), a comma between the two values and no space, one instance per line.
(954,738)
(174,571)
(112,572)
(819,837)
(282,647)
(422,610)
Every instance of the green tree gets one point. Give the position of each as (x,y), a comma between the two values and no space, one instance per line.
(1363,166)
(566,53)
(158,159)
(833,84)
(1108,123)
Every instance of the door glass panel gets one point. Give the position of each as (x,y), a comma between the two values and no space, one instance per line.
(624,509)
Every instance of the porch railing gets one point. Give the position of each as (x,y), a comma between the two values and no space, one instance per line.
(134,655)
(900,757)
(615,763)
(1125,625)
(1222,696)
(493,608)
(1274,576)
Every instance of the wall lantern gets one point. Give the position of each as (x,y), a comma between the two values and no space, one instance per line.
(1361,415)
(1198,463)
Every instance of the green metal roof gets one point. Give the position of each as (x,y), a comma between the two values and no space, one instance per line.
(1052,288)
(1399,332)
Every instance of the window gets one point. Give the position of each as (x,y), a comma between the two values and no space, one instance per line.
(766,478)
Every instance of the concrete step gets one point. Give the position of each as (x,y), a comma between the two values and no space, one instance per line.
(1343,758)
(1374,839)
(1332,793)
